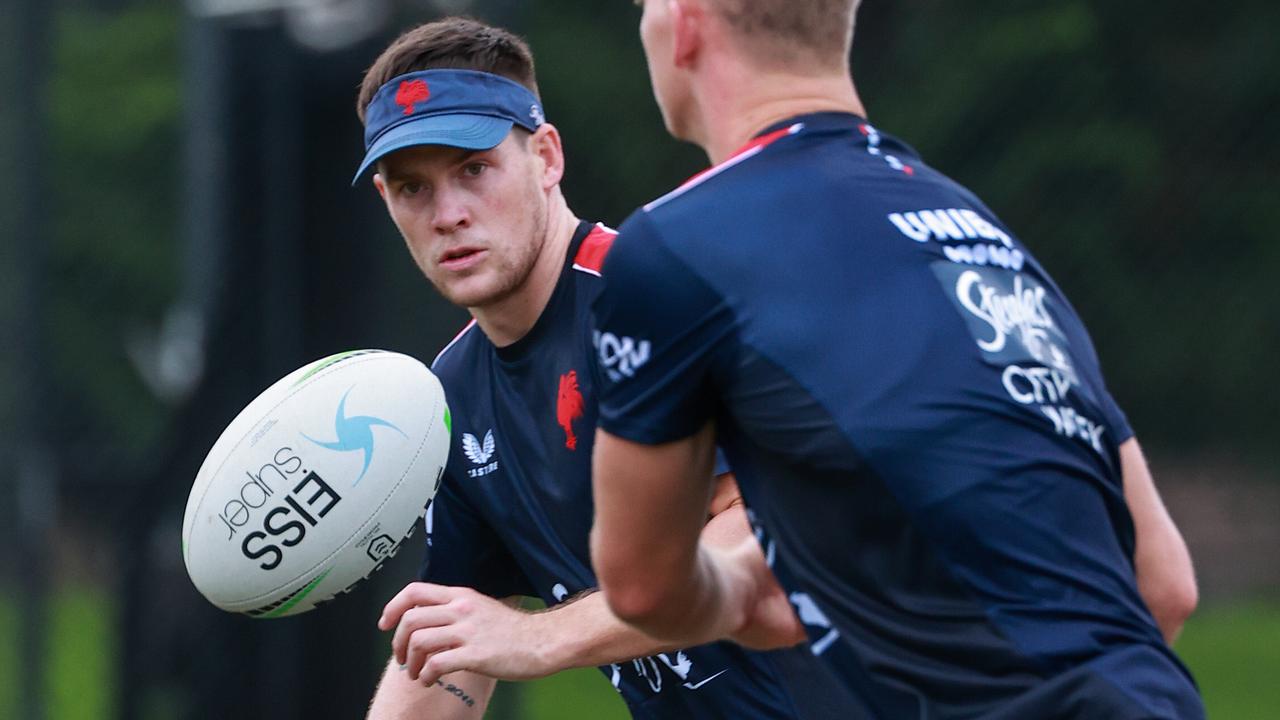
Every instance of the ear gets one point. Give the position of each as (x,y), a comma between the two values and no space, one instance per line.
(688,24)
(381,184)
(546,144)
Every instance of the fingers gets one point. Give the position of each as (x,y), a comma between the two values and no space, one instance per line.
(413,595)
(424,644)
(433,619)
(443,663)
(415,619)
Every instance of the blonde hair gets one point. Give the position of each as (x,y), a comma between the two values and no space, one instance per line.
(793,32)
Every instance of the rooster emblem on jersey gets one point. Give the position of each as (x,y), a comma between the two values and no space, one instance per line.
(569,407)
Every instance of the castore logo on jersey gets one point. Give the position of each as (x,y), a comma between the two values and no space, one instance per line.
(479,452)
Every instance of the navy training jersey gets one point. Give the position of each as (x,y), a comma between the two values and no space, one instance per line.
(514,510)
(915,415)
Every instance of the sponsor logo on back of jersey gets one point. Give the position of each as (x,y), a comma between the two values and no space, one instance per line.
(967,238)
(1009,316)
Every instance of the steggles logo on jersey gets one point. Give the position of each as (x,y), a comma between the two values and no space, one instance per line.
(620,356)
(569,407)
(1000,306)
(1021,311)
(479,453)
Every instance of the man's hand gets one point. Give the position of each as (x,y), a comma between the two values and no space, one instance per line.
(771,622)
(439,630)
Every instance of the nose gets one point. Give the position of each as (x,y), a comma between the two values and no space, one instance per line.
(451,212)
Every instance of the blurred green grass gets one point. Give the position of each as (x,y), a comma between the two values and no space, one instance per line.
(1233,650)
(572,695)
(79,644)
(1234,653)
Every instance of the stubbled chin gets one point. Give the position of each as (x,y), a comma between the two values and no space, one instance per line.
(473,291)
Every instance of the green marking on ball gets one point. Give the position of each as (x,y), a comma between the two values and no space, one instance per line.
(297,598)
(327,362)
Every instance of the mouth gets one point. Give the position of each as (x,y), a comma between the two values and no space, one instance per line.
(461,258)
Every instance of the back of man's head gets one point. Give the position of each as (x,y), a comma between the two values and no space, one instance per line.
(792,34)
(453,43)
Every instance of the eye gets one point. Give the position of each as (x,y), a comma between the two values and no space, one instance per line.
(410,188)
(475,169)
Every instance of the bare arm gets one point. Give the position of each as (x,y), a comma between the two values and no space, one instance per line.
(1166,578)
(650,504)
(586,632)
(441,630)
(459,696)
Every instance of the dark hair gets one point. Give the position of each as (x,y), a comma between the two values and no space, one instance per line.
(793,31)
(454,43)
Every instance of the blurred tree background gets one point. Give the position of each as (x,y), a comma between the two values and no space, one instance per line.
(1133,146)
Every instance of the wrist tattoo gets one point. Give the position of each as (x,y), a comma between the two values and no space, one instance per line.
(457,692)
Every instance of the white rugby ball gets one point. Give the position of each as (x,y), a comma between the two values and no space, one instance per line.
(315,483)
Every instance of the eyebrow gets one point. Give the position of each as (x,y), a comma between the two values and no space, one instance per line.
(388,172)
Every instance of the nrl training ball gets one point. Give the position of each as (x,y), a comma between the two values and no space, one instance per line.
(315,483)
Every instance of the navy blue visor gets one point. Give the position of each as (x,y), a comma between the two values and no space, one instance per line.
(459,108)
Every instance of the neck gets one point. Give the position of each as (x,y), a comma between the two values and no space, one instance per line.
(740,101)
(507,320)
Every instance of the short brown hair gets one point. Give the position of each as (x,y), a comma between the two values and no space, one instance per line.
(454,43)
(793,31)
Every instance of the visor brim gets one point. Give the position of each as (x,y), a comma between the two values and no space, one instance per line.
(469,132)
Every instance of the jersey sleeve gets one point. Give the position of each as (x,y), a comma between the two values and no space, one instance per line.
(464,551)
(659,331)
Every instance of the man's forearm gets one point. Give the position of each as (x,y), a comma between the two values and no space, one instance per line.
(1166,578)
(585,633)
(457,696)
(651,508)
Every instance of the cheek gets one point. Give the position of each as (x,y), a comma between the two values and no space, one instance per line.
(657,53)
(649,42)
(507,205)
(409,225)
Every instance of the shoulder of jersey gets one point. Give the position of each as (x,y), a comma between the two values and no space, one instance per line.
(595,246)
(749,151)
(457,348)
